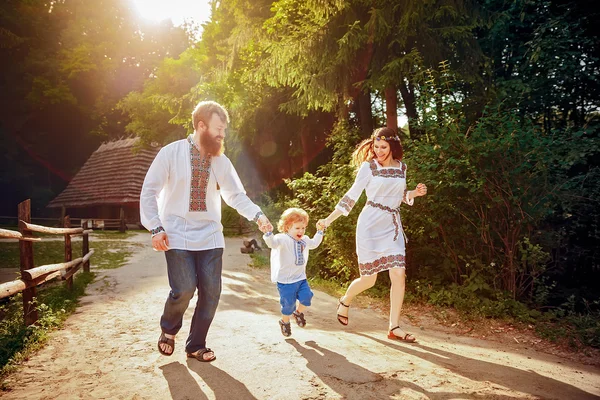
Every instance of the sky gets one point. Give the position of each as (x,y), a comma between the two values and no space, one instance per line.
(176,10)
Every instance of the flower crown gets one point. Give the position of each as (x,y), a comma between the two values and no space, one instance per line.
(388,138)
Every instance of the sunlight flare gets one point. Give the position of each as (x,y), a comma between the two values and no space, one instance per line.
(175,10)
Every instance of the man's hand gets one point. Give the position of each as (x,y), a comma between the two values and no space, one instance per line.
(264,225)
(160,242)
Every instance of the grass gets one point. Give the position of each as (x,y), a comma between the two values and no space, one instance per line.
(115,235)
(107,253)
(48,252)
(259,260)
(111,254)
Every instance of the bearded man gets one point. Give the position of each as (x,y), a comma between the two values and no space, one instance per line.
(193,174)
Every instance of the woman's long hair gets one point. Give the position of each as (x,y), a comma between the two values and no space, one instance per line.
(364,150)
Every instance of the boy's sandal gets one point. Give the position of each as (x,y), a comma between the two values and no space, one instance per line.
(286,328)
(408,338)
(199,355)
(163,339)
(340,316)
(300,320)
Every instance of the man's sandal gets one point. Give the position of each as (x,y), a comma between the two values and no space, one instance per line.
(199,355)
(300,320)
(286,328)
(163,339)
(408,338)
(340,316)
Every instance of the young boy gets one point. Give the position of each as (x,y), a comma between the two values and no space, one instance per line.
(289,256)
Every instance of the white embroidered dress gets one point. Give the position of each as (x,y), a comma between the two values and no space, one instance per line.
(380,240)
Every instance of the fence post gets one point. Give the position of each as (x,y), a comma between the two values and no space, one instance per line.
(68,249)
(122,222)
(30,314)
(84,250)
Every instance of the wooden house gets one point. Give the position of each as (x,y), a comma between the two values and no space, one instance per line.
(108,185)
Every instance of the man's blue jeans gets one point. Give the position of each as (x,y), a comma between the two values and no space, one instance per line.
(187,271)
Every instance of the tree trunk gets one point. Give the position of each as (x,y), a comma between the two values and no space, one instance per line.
(305,141)
(365,113)
(391,108)
(408,97)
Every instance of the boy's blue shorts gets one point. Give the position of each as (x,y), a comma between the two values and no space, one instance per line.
(290,292)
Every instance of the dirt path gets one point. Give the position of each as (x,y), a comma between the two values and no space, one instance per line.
(107,350)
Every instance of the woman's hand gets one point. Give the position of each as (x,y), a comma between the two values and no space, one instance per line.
(321,224)
(420,190)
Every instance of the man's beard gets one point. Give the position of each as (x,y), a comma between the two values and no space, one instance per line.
(210,144)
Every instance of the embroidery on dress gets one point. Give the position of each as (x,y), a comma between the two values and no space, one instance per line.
(200,176)
(405,196)
(382,264)
(395,215)
(387,172)
(346,203)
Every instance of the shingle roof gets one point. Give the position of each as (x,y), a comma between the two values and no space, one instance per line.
(113,175)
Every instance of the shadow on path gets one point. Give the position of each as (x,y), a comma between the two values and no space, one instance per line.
(224,386)
(343,376)
(182,384)
(478,370)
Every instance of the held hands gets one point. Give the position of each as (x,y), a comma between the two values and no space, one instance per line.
(264,225)
(321,225)
(160,242)
(420,190)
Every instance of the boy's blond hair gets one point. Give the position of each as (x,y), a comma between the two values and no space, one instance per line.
(290,217)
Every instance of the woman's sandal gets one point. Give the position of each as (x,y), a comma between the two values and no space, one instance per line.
(406,337)
(286,328)
(340,316)
(199,355)
(300,320)
(163,339)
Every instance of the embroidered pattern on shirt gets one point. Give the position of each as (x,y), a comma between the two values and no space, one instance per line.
(299,246)
(258,215)
(157,230)
(387,172)
(346,203)
(200,176)
(382,264)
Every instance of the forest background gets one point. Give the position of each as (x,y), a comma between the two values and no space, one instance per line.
(496,101)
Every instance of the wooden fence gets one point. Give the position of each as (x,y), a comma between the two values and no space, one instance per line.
(119,224)
(32,276)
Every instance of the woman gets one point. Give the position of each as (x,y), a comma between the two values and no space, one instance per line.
(380,239)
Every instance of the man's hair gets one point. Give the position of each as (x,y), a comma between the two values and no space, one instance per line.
(290,217)
(204,111)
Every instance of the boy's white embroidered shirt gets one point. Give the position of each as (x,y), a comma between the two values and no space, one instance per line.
(167,195)
(283,256)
